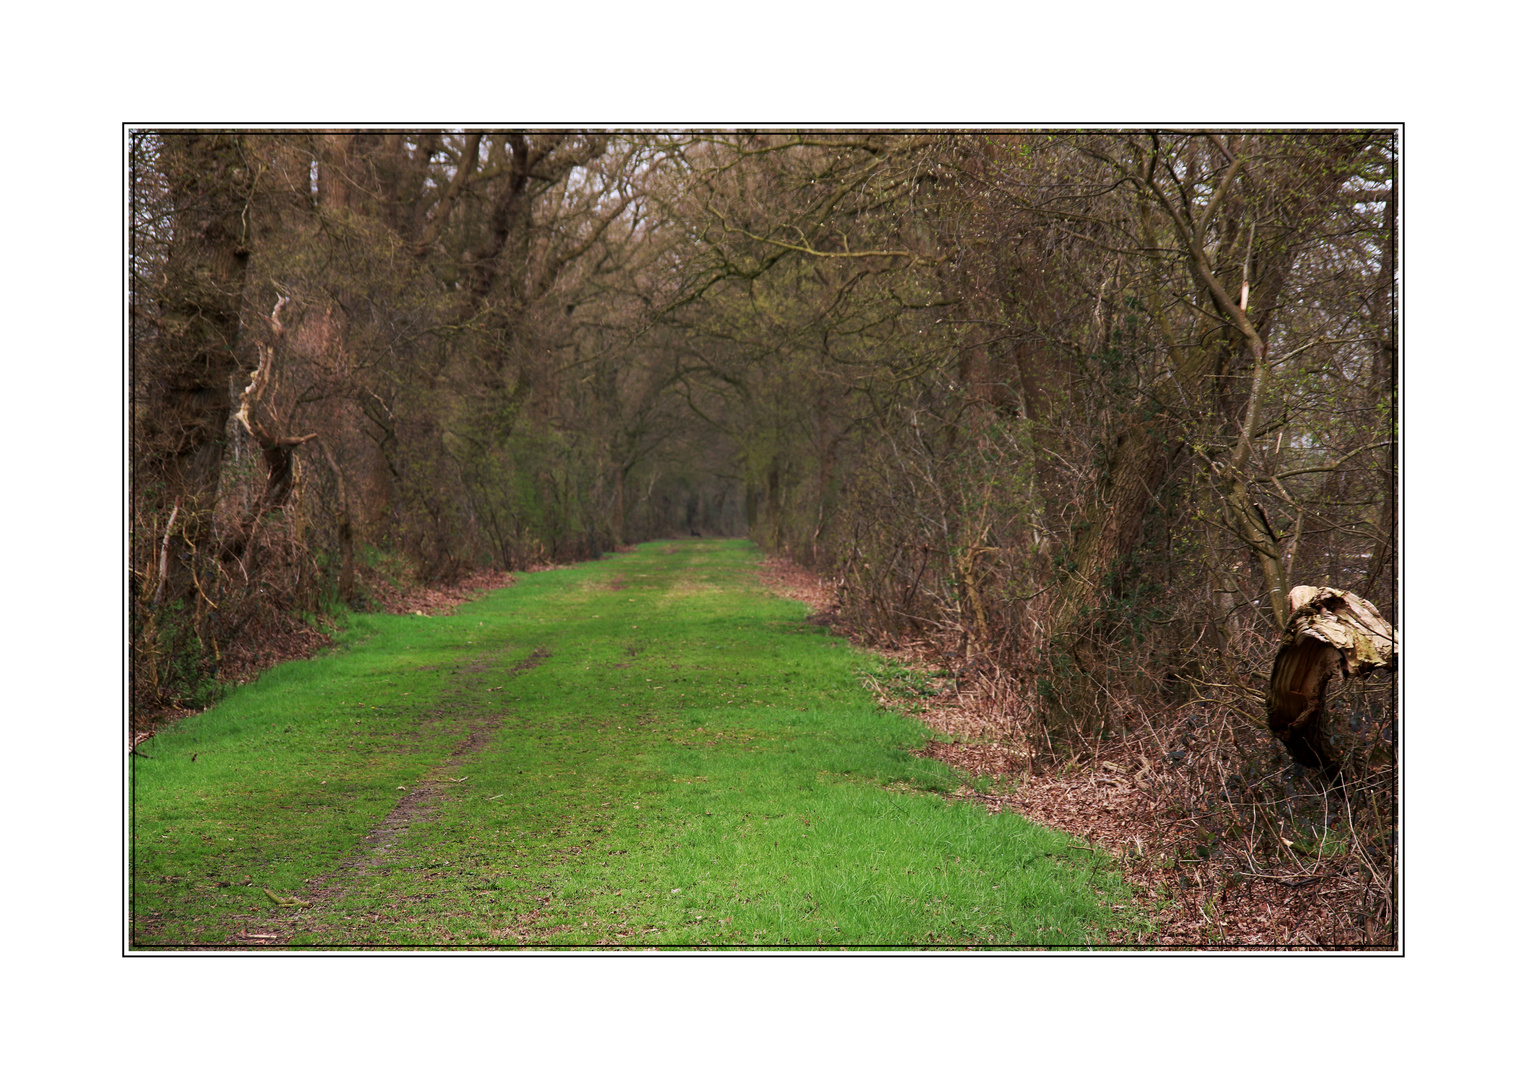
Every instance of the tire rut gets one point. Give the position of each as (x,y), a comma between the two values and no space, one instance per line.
(420,803)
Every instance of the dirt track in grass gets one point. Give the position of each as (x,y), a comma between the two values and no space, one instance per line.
(419,803)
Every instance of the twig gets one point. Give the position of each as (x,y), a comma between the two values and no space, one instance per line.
(164,554)
(287,901)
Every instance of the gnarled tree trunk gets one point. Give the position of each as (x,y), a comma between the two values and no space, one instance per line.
(277,449)
(1328,631)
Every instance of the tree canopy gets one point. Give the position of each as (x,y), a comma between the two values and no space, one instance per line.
(1078,406)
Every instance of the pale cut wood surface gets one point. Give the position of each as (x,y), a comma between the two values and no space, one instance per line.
(1329,630)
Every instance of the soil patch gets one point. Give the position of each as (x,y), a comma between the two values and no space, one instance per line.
(419,803)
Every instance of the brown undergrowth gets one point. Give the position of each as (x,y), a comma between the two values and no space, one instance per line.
(1228,844)
(437,598)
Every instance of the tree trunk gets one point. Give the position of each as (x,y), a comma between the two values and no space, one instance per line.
(1380,577)
(1329,631)
(1110,530)
(190,366)
(346,532)
(277,449)
(1100,546)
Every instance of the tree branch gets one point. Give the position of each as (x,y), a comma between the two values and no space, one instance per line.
(464,168)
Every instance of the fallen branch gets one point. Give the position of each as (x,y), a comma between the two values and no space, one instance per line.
(164,554)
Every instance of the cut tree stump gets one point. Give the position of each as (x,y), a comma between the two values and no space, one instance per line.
(1328,631)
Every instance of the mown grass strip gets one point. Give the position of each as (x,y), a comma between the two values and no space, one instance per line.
(647,751)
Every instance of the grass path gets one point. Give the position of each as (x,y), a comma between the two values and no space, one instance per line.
(644,751)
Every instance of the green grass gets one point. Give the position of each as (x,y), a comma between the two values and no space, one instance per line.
(665,756)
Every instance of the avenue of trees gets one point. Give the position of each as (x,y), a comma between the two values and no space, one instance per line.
(1078,407)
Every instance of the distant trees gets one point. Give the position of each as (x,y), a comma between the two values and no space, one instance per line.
(1081,406)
